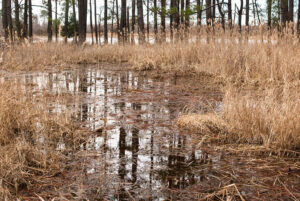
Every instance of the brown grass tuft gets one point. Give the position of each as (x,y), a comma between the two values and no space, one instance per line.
(29,136)
(203,123)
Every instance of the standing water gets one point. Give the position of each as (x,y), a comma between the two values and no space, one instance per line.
(135,150)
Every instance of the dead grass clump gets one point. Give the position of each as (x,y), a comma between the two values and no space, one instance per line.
(271,118)
(29,136)
(203,123)
(268,118)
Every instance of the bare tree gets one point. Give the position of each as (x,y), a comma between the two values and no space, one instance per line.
(222,14)
(187,13)
(133,19)
(298,20)
(148,21)
(9,18)
(284,11)
(91,21)
(82,7)
(25,23)
(247,14)
(163,19)
(230,13)
(56,25)
(199,12)
(182,11)
(49,29)
(95,15)
(213,12)
(30,21)
(291,10)
(74,20)
(208,12)
(240,13)
(141,21)
(105,23)
(5,19)
(269,12)
(123,20)
(66,20)
(155,17)
(127,25)
(112,22)
(17,18)
(118,20)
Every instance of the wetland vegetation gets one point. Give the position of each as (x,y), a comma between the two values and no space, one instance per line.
(195,111)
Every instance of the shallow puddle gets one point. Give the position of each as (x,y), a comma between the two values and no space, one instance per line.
(138,153)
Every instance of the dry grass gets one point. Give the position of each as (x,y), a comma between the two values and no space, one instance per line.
(271,118)
(203,123)
(237,61)
(28,137)
(267,117)
(273,68)
(261,104)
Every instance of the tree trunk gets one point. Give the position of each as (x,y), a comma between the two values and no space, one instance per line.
(82,7)
(284,11)
(163,19)
(118,20)
(230,14)
(74,20)
(298,22)
(100,15)
(291,10)
(148,22)
(199,12)
(222,14)
(208,12)
(128,25)
(10,22)
(247,14)
(5,19)
(171,19)
(141,21)
(213,12)
(123,20)
(30,21)
(155,18)
(56,25)
(269,11)
(25,26)
(257,11)
(49,29)
(91,21)
(240,13)
(133,20)
(187,13)
(105,23)
(96,26)
(182,12)
(112,22)
(174,17)
(17,18)
(66,20)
